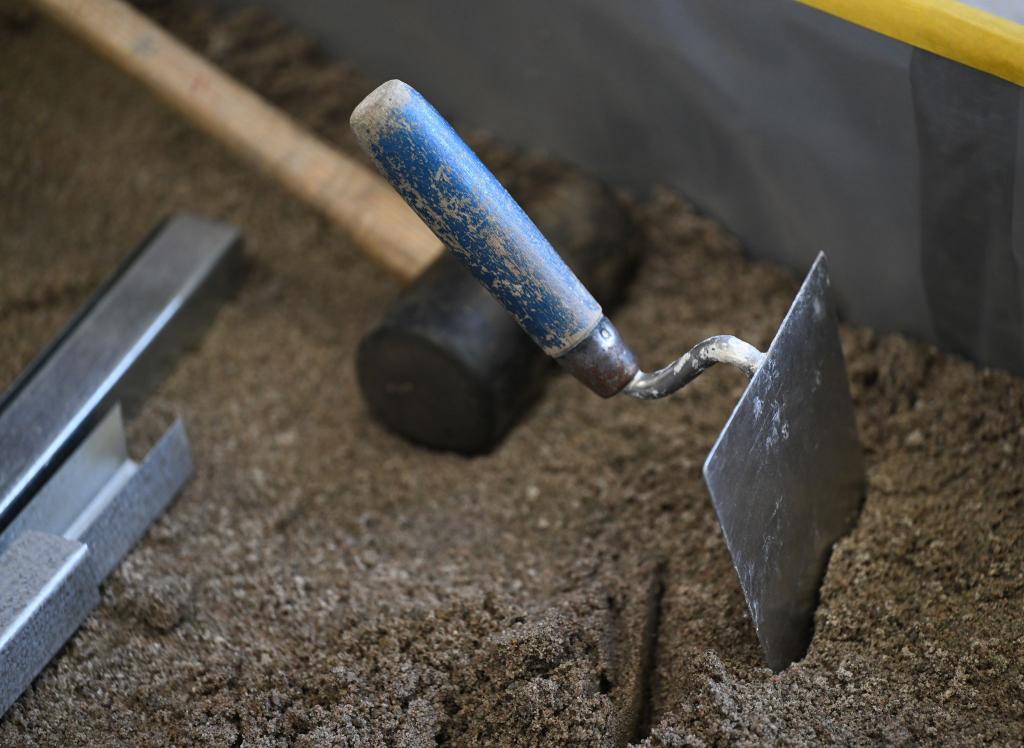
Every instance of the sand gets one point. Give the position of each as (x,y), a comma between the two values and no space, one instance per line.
(322,582)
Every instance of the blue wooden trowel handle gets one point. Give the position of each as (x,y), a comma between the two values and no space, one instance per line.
(458,197)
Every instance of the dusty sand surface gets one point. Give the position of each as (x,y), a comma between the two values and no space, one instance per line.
(321,582)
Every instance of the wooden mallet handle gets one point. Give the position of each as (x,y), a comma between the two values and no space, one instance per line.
(352,196)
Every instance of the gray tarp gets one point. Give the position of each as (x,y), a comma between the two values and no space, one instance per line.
(800,131)
(1012,10)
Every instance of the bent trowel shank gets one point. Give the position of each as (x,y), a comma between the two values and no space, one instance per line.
(786,475)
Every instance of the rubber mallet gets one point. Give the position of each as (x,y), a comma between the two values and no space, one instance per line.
(447,366)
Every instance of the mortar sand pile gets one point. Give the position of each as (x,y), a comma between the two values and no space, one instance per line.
(323,583)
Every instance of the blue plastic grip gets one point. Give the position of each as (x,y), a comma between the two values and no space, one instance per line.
(462,202)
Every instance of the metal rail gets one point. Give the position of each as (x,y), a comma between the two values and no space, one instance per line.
(72,502)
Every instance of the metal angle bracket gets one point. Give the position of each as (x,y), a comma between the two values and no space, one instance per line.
(52,562)
(72,501)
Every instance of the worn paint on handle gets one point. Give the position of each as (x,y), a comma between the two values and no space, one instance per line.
(462,202)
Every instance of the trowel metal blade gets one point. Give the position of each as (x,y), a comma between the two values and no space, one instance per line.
(786,475)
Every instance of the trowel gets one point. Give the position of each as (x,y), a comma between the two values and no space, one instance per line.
(786,474)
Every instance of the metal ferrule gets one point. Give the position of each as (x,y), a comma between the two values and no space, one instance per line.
(602,360)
